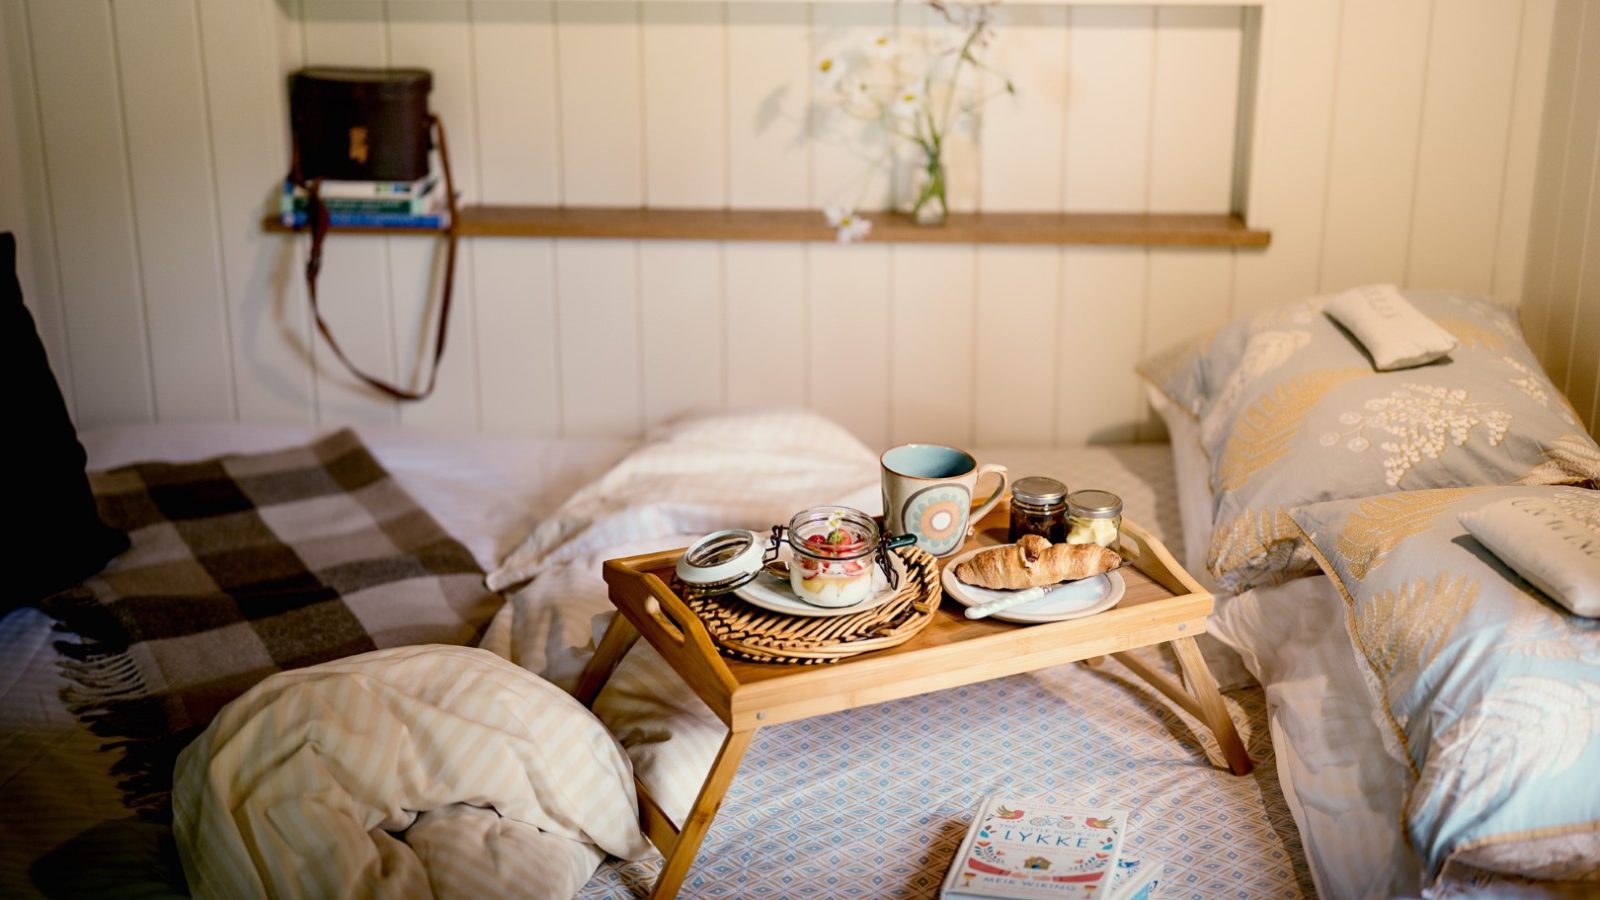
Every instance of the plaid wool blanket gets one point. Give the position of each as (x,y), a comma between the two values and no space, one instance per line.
(240,567)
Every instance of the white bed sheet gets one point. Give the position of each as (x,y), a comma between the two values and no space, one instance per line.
(488,491)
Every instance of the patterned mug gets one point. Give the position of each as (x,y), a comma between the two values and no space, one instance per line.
(927,492)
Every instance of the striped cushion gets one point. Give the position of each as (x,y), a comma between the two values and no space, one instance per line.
(498,779)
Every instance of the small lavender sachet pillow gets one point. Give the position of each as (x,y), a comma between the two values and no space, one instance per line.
(1395,333)
(1553,541)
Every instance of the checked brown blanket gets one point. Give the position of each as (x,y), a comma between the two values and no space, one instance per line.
(240,567)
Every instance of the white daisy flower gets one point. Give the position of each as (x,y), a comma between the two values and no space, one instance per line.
(829,70)
(850,226)
(907,102)
(883,47)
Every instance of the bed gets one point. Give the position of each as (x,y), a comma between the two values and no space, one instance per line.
(1292,625)
(786,829)
(866,803)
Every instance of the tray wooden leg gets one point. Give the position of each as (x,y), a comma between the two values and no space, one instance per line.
(614,645)
(700,815)
(1200,698)
(1212,710)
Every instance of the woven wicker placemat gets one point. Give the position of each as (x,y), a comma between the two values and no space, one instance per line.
(748,632)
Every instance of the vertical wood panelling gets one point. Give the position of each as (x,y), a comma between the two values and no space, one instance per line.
(29,214)
(75,60)
(169,157)
(355,280)
(1018,345)
(1549,196)
(1024,134)
(266,302)
(849,158)
(1522,149)
(769,96)
(1109,63)
(1371,171)
(1575,217)
(519,344)
(1188,294)
(681,311)
(517,328)
(1394,141)
(847,303)
(1102,333)
(597,291)
(764,286)
(1583,378)
(1294,115)
(931,337)
(1195,95)
(685,103)
(514,80)
(1189,291)
(436,35)
(601,128)
(1466,116)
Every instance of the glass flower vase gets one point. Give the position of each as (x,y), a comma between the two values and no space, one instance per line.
(931,206)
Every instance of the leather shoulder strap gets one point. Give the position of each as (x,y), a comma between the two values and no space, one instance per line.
(317,215)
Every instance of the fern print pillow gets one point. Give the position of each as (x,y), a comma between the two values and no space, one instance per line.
(1293,413)
(1484,689)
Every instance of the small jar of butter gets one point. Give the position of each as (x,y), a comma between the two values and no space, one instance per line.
(1094,517)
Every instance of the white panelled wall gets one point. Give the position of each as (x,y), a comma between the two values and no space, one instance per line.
(1394,140)
(1562,306)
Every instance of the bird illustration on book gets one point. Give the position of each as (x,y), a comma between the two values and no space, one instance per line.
(1092,822)
(1010,814)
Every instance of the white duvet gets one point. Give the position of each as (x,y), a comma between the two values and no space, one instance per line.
(414,772)
(738,470)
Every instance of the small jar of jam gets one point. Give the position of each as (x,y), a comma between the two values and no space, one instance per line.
(1039,506)
(1094,517)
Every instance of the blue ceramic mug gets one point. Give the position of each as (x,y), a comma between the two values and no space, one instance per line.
(927,492)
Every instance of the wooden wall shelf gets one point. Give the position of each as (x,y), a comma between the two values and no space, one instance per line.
(1135,229)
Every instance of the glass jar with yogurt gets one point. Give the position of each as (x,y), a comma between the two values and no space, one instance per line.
(835,550)
(1094,517)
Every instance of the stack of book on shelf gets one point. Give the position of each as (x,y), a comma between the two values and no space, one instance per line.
(371,204)
(1021,848)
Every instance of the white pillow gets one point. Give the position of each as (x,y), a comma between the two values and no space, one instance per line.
(1553,541)
(1395,334)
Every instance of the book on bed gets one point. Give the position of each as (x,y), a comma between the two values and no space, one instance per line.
(1022,848)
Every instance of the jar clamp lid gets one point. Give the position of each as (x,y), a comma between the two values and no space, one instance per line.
(722,561)
(1037,490)
(1095,504)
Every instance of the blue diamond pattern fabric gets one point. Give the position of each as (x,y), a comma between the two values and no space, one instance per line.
(872,802)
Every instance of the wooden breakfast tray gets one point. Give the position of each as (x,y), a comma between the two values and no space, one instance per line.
(1162,605)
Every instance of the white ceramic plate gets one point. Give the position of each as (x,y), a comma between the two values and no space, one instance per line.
(775,594)
(1072,600)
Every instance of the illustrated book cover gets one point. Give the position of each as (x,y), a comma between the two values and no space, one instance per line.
(1134,879)
(1021,848)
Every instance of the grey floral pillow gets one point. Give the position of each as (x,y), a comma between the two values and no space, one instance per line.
(1486,691)
(1291,412)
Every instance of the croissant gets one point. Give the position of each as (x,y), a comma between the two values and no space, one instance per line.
(1035,562)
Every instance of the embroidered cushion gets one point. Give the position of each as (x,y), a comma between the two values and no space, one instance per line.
(1483,688)
(1391,330)
(1291,412)
(1552,541)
